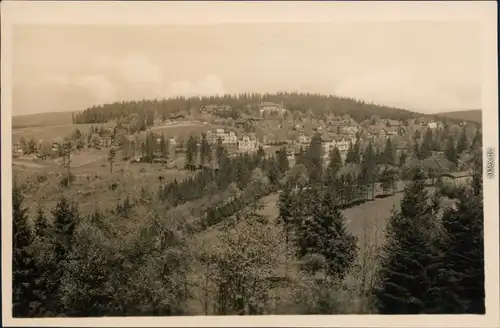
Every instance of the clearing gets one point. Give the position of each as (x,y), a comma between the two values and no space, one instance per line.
(50,133)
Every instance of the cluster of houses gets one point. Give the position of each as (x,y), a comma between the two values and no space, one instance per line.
(246,143)
(265,108)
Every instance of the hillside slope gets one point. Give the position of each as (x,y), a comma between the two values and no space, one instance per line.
(42,119)
(474,115)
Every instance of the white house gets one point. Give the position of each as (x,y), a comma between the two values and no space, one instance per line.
(342,143)
(349,130)
(339,142)
(304,139)
(17,150)
(291,159)
(226,137)
(432,125)
(231,138)
(248,143)
(271,108)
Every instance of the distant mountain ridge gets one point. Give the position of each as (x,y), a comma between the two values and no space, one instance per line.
(42,119)
(474,115)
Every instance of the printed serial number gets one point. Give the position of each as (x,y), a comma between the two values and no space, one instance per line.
(490,163)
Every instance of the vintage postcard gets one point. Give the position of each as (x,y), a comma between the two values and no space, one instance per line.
(249,164)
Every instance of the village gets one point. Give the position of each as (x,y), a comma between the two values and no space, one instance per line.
(273,128)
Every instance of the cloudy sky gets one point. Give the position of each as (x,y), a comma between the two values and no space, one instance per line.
(424,66)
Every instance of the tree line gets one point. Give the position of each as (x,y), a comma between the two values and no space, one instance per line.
(316,104)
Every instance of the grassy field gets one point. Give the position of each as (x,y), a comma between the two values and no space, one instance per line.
(184,130)
(49,133)
(92,187)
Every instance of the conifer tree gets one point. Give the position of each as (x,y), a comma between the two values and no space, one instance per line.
(44,284)
(191,153)
(451,152)
(322,231)
(416,150)
(40,223)
(388,180)
(65,221)
(334,165)
(477,141)
(463,287)
(407,273)
(368,167)
(282,161)
(205,151)
(463,143)
(111,158)
(163,145)
(356,150)
(314,159)
(219,152)
(425,149)
(462,283)
(24,268)
(388,154)
(350,156)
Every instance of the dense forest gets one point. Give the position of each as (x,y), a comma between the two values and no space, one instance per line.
(316,104)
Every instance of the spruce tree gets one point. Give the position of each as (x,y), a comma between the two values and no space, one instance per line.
(356,150)
(162,145)
(24,270)
(282,161)
(425,150)
(477,140)
(191,153)
(463,282)
(40,223)
(368,166)
(350,156)
(464,289)
(205,151)
(416,150)
(388,154)
(322,231)
(44,285)
(463,143)
(334,165)
(314,159)
(407,273)
(451,152)
(65,221)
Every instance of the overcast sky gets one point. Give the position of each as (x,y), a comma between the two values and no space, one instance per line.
(424,66)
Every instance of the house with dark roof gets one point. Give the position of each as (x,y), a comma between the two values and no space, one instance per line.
(391,123)
(454,178)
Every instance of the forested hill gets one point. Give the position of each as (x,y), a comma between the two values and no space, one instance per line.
(315,104)
(474,115)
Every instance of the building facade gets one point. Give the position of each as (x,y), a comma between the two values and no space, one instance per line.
(248,143)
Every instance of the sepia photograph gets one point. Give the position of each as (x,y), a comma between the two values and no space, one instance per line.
(249,161)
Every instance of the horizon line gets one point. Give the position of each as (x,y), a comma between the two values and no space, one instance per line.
(258,93)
